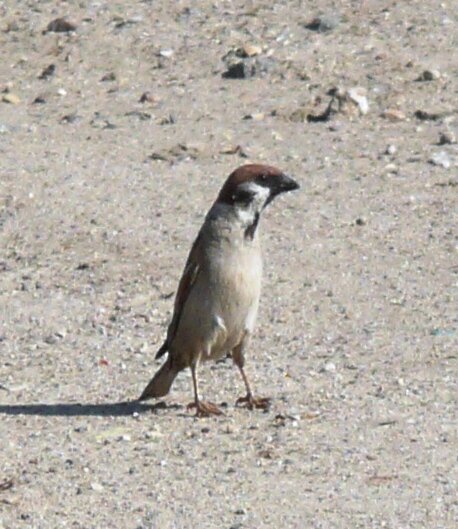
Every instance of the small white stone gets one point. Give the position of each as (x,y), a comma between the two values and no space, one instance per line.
(391,149)
(358,95)
(330,367)
(391,168)
(167,53)
(441,158)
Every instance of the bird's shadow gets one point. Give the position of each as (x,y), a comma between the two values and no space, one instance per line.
(114,409)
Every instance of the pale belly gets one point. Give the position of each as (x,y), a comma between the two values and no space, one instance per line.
(221,307)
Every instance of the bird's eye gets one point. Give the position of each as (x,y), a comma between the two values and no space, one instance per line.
(263,177)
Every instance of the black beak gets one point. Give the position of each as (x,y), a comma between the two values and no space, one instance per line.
(282,184)
(286,183)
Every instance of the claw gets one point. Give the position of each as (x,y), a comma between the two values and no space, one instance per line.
(250,402)
(205,409)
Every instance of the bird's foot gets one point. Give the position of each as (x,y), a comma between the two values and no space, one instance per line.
(205,409)
(250,402)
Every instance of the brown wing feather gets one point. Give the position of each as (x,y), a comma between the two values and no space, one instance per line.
(187,280)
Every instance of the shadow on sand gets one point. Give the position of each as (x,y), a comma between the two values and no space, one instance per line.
(117,409)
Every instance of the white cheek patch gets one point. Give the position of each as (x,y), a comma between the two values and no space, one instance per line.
(247,214)
(261,193)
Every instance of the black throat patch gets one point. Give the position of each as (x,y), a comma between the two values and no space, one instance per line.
(251,229)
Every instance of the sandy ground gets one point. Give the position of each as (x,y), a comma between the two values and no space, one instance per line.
(101,196)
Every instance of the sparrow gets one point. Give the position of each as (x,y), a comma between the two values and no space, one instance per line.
(218,295)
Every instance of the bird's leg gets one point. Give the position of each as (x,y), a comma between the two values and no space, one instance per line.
(249,400)
(203,409)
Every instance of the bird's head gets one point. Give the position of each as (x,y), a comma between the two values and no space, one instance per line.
(249,189)
(254,186)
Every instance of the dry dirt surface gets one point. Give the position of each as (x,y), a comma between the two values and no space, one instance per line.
(118,125)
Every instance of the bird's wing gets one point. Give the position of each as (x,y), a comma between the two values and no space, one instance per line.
(190,273)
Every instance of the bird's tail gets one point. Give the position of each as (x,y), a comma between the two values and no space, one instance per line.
(161,382)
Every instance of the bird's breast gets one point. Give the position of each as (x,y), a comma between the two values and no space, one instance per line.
(235,287)
(223,301)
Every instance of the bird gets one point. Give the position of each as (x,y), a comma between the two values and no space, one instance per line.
(217,299)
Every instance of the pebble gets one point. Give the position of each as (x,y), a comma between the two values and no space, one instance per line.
(236,149)
(48,72)
(441,159)
(11,98)
(239,70)
(70,118)
(391,149)
(447,137)
(324,23)
(60,25)
(429,75)
(257,116)
(148,97)
(391,168)
(110,76)
(248,50)
(393,114)
(167,53)
(97,487)
(330,367)
(168,120)
(357,94)
(246,68)
(425,115)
